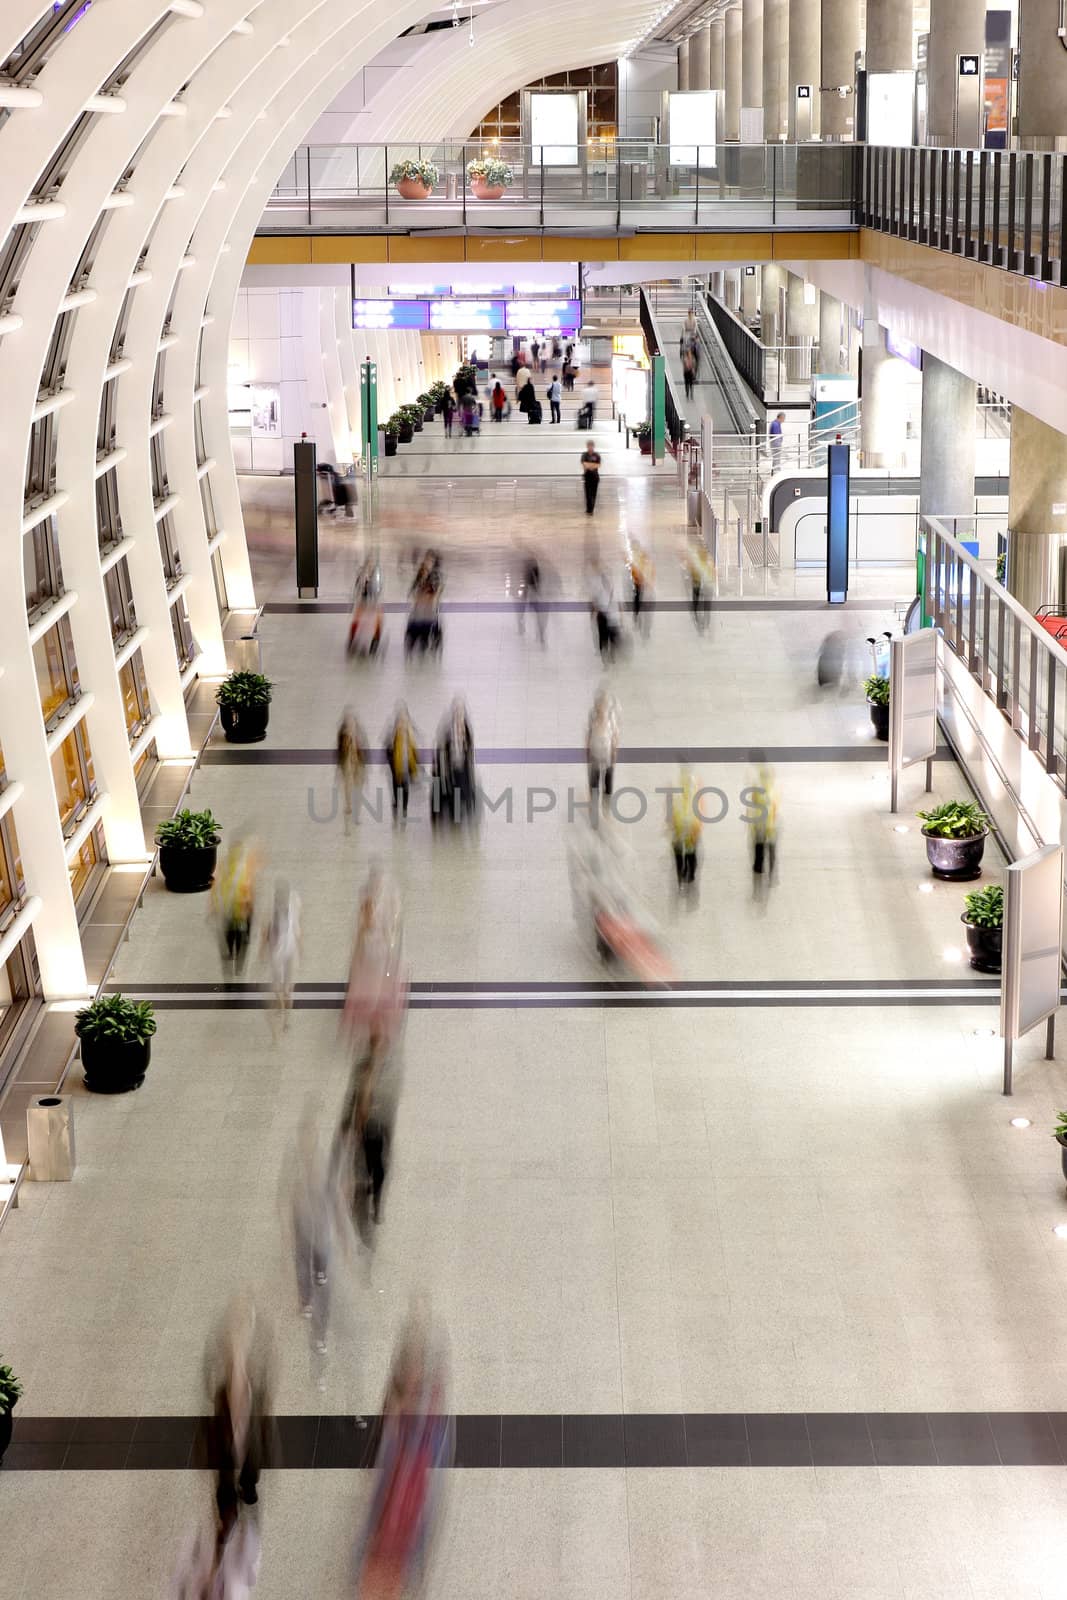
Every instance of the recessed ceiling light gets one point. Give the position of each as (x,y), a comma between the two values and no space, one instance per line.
(1020,1122)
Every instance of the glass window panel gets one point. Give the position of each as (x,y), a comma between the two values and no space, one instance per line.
(7,888)
(42,574)
(120,601)
(208,504)
(82,866)
(72,789)
(57,676)
(108,520)
(183,636)
(134,689)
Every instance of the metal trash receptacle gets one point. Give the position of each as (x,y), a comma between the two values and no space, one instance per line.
(50,1138)
(451,186)
(245,654)
(692,508)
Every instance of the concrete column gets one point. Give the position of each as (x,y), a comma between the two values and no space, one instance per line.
(889,45)
(1037,511)
(732,129)
(683,64)
(840,42)
(700,59)
(775,61)
(883,416)
(717,58)
(831,362)
(947,447)
(749,293)
(772,282)
(1042,76)
(752,55)
(805,65)
(801,328)
(957,27)
(731,289)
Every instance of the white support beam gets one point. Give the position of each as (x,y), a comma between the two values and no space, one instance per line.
(11,323)
(205,467)
(107,105)
(178,588)
(126,650)
(149,732)
(115,369)
(116,554)
(157,424)
(40,211)
(50,616)
(191,672)
(117,199)
(69,721)
(45,508)
(167,341)
(142,275)
(186,8)
(167,504)
(17,930)
(13,97)
(97,807)
(47,403)
(10,794)
(77,297)
(109,459)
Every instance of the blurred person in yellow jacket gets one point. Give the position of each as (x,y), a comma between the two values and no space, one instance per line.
(685,831)
(402,755)
(233,899)
(700,575)
(762,799)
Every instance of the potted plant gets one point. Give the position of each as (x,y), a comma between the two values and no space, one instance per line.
(244,707)
(10,1389)
(955,835)
(414,415)
(984,921)
(489,177)
(116,1040)
(414,180)
(643,435)
(390,434)
(188,849)
(876,689)
(1059,1133)
(439,390)
(425,403)
(405,428)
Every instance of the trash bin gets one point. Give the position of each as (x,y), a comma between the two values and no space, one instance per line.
(245,654)
(452,186)
(50,1138)
(692,508)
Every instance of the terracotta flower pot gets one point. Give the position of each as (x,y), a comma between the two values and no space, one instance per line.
(486,191)
(413,189)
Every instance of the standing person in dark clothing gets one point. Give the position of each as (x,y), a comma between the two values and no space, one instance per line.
(590,475)
(555,395)
(448,412)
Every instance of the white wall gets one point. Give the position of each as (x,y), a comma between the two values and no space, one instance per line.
(642,80)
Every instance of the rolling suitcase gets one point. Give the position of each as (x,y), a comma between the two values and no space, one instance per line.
(585,418)
(536,412)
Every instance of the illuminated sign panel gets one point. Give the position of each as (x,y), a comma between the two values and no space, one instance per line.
(467,316)
(561,315)
(390,314)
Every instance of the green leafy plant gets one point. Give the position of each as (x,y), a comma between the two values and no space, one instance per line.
(424,400)
(391,426)
(493,172)
(985,907)
(10,1389)
(1002,565)
(419,171)
(189,830)
(1060,1130)
(438,390)
(876,688)
(642,431)
(411,414)
(116,1020)
(244,689)
(956,819)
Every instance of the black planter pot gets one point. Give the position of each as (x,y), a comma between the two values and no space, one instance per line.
(245,724)
(879,721)
(984,945)
(112,1067)
(438,407)
(187,871)
(428,414)
(417,425)
(957,860)
(6,1424)
(389,443)
(1063,1154)
(406,433)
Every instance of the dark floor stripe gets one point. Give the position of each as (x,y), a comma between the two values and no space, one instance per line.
(640,1439)
(577,988)
(226,755)
(342,608)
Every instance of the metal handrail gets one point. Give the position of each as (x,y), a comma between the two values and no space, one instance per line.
(1016,662)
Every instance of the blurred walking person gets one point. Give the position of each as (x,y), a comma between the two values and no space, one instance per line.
(351,761)
(700,575)
(762,800)
(402,756)
(602,606)
(642,574)
(601,745)
(237,1372)
(313,1229)
(376,1000)
(529,595)
(281,944)
(417,1440)
(233,897)
(365,1135)
(689,372)
(590,460)
(685,829)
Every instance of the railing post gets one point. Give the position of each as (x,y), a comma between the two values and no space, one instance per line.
(308,149)
(542,170)
(618,191)
(463,181)
(774,185)
(696,214)
(1045,258)
(1028,212)
(385,174)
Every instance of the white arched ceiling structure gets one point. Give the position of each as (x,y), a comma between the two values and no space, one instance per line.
(139,140)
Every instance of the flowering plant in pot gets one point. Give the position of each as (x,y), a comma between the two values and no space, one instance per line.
(116,1041)
(984,922)
(955,835)
(244,706)
(489,177)
(405,428)
(10,1389)
(413,416)
(414,180)
(876,688)
(188,849)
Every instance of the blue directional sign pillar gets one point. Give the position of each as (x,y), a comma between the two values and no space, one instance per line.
(837,524)
(368,412)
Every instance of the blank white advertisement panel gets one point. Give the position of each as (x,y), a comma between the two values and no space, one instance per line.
(691,120)
(554,129)
(1033,924)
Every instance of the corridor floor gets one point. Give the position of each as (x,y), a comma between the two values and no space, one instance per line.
(750,1287)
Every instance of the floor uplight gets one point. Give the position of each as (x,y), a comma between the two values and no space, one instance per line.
(1020,1122)
(985,1033)
(900,827)
(952,953)
(925,888)
(1060,1230)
